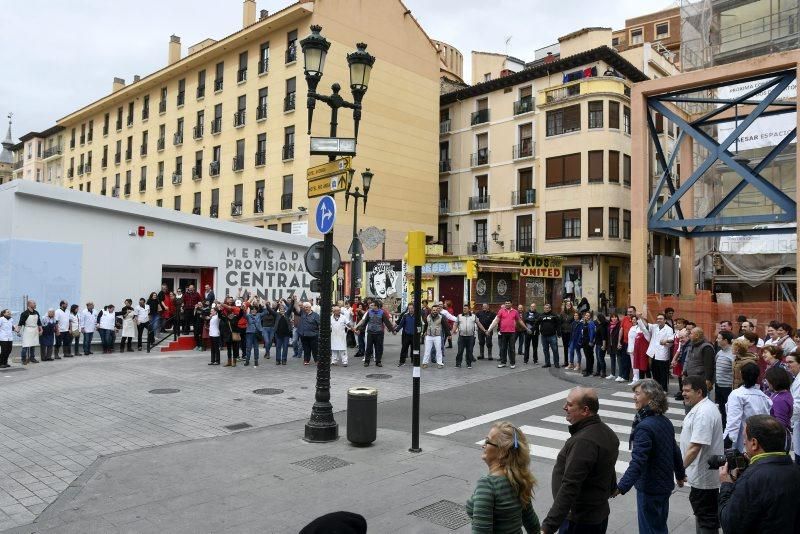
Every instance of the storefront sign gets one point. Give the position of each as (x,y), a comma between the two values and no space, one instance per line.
(434,250)
(541,267)
(447,267)
(269,273)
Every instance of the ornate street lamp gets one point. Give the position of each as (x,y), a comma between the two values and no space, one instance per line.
(356,250)
(360,63)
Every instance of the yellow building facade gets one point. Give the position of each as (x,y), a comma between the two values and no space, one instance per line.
(222,132)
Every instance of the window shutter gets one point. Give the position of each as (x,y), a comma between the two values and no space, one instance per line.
(595,165)
(553,224)
(572,118)
(555,171)
(572,169)
(613,166)
(595,222)
(613,115)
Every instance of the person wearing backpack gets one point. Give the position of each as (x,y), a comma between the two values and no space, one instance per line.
(375,319)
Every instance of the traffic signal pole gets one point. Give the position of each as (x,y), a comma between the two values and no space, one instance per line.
(415,354)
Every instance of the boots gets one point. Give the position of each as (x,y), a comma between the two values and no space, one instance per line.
(229,364)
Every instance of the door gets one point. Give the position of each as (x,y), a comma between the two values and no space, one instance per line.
(452,288)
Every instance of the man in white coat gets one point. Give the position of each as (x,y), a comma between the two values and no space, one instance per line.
(88,322)
(339,325)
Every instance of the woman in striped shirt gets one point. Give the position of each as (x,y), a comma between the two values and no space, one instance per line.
(501,503)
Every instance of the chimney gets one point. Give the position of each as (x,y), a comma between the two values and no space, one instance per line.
(264,14)
(248,13)
(174,49)
(549,58)
(118,84)
(136,78)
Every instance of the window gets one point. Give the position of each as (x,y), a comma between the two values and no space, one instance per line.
(261,110)
(261,149)
(286,228)
(662,30)
(103,183)
(291,46)
(481,157)
(615,41)
(238,196)
(289,101)
(198,127)
(595,222)
(524,233)
(525,102)
(216,156)
(595,165)
(201,84)
(216,124)
(525,147)
(219,71)
(241,74)
(273,227)
(444,156)
(119,118)
(596,114)
(626,169)
(525,193)
(263,58)
(482,188)
(563,224)
(626,119)
(481,113)
(143,179)
(106,119)
(613,166)
(130,114)
(258,201)
(241,108)
(238,160)
(564,120)
(480,244)
(637,36)
(613,115)
(197,203)
(118,153)
(179,132)
(214,210)
(563,170)
(197,171)
(104,161)
(626,224)
(143,148)
(487,77)
(288,143)
(286,197)
(613,222)
(179,166)
(181,92)
(162,104)
(159,203)
(659,122)
(177,203)
(91,131)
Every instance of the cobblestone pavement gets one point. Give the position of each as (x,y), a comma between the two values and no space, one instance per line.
(58,417)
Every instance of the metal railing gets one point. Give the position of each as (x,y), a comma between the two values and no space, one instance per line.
(216,125)
(142,186)
(80,169)
(52,151)
(258,205)
(481,157)
(524,149)
(562,93)
(197,172)
(288,152)
(197,131)
(127,189)
(444,165)
(177,178)
(479,117)
(291,54)
(218,84)
(117,158)
(213,211)
(286,201)
(213,168)
(236,209)
(196,210)
(115,191)
(444,126)
(145,114)
(201,91)
(261,112)
(160,143)
(261,158)
(525,196)
(444,206)
(477,247)
(128,154)
(18,164)
(159,181)
(263,65)
(238,163)
(241,75)
(523,105)
(480,202)
(522,245)
(162,106)
(239,118)
(289,102)
(143,150)
(177,139)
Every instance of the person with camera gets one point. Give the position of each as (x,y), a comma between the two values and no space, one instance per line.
(760,495)
(701,440)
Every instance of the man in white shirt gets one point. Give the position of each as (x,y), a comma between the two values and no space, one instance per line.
(339,326)
(63,338)
(659,351)
(142,311)
(744,401)
(88,323)
(701,438)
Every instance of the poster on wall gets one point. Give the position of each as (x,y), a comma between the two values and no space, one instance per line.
(482,288)
(501,287)
(573,285)
(384,279)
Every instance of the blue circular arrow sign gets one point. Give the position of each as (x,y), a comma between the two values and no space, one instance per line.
(326,214)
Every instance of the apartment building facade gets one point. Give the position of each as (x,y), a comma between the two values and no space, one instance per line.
(535,173)
(38,156)
(222,132)
(662,28)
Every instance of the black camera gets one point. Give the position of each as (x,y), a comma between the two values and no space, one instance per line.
(732,457)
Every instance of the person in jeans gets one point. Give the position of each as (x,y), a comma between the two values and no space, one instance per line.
(63,338)
(655,458)
(47,339)
(507,321)
(701,439)
(531,319)
(282,314)
(723,373)
(6,337)
(308,330)
(143,321)
(88,321)
(586,341)
(267,328)
(465,326)
(567,318)
(613,347)
(549,324)
(405,325)
(106,322)
(253,326)
(485,318)
(574,343)
(374,322)
(214,336)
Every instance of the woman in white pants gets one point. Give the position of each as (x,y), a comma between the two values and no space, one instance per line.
(339,325)
(434,326)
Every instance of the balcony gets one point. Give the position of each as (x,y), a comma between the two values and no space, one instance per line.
(288,152)
(115,191)
(52,151)
(83,139)
(258,202)
(218,85)
(523,105)
(291,54)
(261,158)
(562,93)
(89,136)
(104,162)
(236,209)
(197,131)
(263,65)
(444,206)
(162,106)
(444,126)
(87,168)
(241,75)
(70,171)
(216,125)
(130,121)
(201,91)
(213,168)
(213,211)
(523,197)
(159,181)
(143,150)
(197,171)
(72,143)
(181,98)
(196,210)
(261,112)
(286,201)
(177,178)
(444,165)
(128,154)
(127,189)
(142,186)
(145,114)
(524,149)
(103,192)
(238,163)
(177,139)
(117,158)
(119,125)
(477,247)
(80,169)
(239,118)
(479,117)
(160,143)
(289,101)
(479,203)
(105,131)
(481,157)
(523,245)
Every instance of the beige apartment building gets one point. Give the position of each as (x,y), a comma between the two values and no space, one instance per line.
(222,131)
(38,156)
(662,29)
(535,173)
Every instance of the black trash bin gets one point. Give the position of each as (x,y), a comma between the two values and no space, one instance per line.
(362,415)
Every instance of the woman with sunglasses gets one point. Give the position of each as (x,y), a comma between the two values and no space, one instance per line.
(502,501)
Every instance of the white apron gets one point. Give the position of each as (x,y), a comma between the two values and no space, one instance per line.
(30,332)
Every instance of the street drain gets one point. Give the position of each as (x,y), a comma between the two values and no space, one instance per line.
(164,391)
(238,426)
(267,391)
(379,376)
(320,464)
(444,513)
(447,417)
(303,387)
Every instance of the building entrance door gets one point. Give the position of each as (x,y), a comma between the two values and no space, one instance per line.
(452,288)
(181,277)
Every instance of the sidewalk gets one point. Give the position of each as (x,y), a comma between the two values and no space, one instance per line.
(250,482)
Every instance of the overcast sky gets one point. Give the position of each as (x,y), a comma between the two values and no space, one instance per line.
(60,56)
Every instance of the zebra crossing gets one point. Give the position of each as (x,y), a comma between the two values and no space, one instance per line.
(547,434)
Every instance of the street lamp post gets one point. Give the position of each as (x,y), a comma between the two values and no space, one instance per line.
(321,427)
(355,248)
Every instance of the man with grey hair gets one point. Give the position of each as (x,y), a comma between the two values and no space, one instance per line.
(30,328)
(584,474)
(308,331)
(701,358)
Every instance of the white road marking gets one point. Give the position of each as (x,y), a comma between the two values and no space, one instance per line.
(625,430)
(500,414)
(629,416)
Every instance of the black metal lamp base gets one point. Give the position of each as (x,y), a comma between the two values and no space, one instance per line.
(322,432)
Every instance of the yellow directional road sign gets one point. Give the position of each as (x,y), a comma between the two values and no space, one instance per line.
(327,185)
(329,169)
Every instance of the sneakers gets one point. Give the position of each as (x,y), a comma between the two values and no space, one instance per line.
(306,363)
(401,364)
(441,366)
(246,363)
(424,365)
(513,366)
(501,365)
(378,364)
(610,377)
(631,383)
(255,364)
(469,367)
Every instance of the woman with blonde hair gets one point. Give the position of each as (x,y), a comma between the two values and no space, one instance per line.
(741,357)
(502,499)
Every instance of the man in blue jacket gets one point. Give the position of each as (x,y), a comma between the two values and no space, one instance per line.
(764,497)
(406,325)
